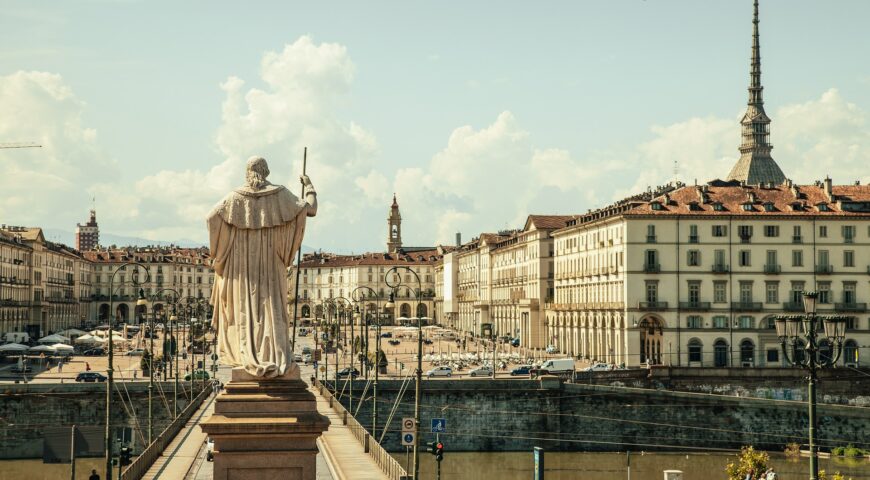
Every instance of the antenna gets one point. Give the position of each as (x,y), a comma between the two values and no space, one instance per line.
(676,169)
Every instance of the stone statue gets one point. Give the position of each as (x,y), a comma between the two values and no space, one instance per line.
(254,234)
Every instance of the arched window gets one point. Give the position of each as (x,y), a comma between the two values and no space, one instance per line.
(850,353)
(825,351)
(747,353)
(422,310)
(405,310)
(798,352)
(306,311)
(695,350)
(720,353)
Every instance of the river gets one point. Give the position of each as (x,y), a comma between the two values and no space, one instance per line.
(612,466)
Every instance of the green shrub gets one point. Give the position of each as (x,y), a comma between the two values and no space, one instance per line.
(748,460)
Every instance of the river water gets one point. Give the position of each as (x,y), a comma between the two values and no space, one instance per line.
(614,466)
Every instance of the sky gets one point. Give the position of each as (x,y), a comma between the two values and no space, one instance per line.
(475,114)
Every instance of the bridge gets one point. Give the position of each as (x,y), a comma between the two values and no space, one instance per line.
(347,450)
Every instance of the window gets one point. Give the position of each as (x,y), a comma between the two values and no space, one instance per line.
(694,258)
(719,258)
(823,231)
(719,292)
(745,233)
(746,292)
(797,292)
(849,293)
(694,321)
(650,234)
(656,206)
(797,258)
(849,258)
(652,258)
(695,350)
(693,234)
(771,230)
(849,233)
(824,292)
(824,258)
(694,291)
(652,292)
(720,230)
(717,206)
(796,236)
(771,258)
(745,258)
(745,322)
(773,355)
(720,321)
(772,292)
(747,207)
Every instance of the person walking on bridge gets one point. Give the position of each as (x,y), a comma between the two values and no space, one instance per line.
(94,475)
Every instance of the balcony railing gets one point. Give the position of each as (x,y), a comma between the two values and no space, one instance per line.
(650,239)
(793,306)
(693,239)
(746,306)
(652,305)
(797,239)
(772,269)
(652,268)
(695,306)
(824,269)
(720,268)
(850,307)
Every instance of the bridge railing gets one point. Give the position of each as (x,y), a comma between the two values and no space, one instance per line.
(389,465)
(141,464)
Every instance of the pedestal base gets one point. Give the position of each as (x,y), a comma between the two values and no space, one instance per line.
(265,429)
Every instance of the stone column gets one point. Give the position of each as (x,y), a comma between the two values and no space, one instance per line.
(265,428)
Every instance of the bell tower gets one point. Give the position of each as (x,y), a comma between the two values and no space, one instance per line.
(394,232)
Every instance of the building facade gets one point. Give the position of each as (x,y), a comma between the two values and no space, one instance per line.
(16,270)
(88,235)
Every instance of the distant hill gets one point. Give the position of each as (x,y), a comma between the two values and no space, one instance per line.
(69,238)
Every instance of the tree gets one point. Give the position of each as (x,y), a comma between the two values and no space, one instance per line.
(749,460)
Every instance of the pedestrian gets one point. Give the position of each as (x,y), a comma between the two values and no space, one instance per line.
(94,475)
(750,475)
(87,367)
(60,367)
(771,475)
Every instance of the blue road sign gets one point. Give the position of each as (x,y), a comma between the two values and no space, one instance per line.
(439,425)
(408,438)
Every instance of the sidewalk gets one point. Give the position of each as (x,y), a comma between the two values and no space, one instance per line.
(181,454)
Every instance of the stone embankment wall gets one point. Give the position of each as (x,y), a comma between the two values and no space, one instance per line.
(26,409)
(516,415)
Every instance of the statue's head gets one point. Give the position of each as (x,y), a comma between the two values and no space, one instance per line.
(256,173)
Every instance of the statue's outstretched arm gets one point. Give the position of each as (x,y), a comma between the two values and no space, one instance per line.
(310,195)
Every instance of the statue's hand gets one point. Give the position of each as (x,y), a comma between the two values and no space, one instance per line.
(306,182)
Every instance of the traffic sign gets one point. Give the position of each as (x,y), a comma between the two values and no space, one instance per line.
(408,438)
(408,424)
(439,425)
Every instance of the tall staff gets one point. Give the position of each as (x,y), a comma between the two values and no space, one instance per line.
(298,259)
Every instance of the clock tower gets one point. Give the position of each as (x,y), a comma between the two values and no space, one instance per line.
(394,233)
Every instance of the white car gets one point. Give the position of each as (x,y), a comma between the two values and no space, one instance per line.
(136,353)
(442,371)
(306,358)
(598,367)
(484,371)
(552,349)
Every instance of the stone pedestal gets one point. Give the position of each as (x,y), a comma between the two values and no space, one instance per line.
(265,429)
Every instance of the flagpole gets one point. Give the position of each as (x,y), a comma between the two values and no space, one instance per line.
(298,261)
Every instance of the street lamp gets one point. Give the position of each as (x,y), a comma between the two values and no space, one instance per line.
(110,370)
(377,362)
(419,380)
(154,298)
(342,315)
(791,329)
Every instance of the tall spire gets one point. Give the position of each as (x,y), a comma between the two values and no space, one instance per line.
(756,166)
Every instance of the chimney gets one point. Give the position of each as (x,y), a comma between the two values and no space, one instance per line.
(458,239)
(829,188)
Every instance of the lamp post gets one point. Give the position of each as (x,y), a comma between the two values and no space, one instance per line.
(419,380)
(791,329)
(110,370)
(342,315)
(154,298)
(377,362)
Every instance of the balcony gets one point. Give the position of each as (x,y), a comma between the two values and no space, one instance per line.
(793,306)
(797,239)
(652,268)
(746,306)
(772,269)
(693,239)
(824,269)
(720,268)
(850,307)
(697,306)
(650,239)
(652,305)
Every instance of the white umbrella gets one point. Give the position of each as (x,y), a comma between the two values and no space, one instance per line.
(54,339)
(118,339)
(42,348)
(63,348)
(88,338)
(73,332)
(13,347)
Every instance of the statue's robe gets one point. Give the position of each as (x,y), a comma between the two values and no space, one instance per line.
(254,236)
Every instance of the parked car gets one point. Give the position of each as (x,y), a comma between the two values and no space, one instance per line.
(94,352)
(521,370)
(598,367)
(297,357)
(552,349)
(344,372)
(442,371)
(306,358)
(387,335)
(197,375)
(136,352)
(515,342)
(427,341)
(306,350)
(484,371)
(209,449)
(90,377)
(393,342)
